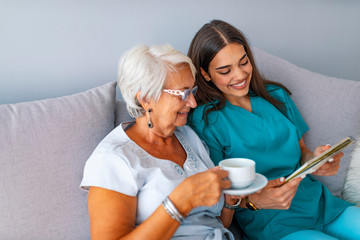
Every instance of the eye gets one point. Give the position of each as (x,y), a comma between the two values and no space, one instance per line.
(224,73)
(244,61)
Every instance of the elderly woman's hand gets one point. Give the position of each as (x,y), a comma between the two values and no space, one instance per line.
(332,166)
(202,189)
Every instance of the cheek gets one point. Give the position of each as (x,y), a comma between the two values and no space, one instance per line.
(172,108)
(249,68)
(221,81)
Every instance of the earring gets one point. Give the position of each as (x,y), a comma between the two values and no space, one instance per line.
(149,123)
(207,79)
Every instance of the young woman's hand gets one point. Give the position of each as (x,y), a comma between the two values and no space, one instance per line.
(275,195)
(332,166)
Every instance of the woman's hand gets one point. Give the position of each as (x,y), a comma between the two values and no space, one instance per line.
(113,214)
(332,166)
(329,168)
(275,195)
(201,189)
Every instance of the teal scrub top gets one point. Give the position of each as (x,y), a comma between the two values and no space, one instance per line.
(271,138)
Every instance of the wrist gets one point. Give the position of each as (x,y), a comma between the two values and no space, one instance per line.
(183,206)
(230,200)
(234,206)
(171,209)
(250,205)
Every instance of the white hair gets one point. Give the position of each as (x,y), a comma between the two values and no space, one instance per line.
(144,69)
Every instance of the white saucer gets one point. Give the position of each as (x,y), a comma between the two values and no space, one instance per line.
(259,182)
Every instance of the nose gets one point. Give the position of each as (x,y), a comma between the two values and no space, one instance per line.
(239,73)
(190,101)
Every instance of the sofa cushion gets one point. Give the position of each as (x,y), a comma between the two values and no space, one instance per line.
(330,106)
(43,148)
(351,190)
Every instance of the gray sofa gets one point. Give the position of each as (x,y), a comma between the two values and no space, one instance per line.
(44,145)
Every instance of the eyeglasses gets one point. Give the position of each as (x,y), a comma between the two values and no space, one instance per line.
(184,94)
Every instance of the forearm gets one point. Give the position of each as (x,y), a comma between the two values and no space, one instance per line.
(306,155)
(226,217)
(113,216)
(227,214)
(159,225)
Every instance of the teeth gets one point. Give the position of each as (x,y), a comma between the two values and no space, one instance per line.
(239,84)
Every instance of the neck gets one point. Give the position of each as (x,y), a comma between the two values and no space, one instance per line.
(154,135)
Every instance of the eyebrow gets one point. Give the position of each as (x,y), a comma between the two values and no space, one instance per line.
(222,67)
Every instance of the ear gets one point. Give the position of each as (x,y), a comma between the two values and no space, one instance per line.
(145,104)
(205,75)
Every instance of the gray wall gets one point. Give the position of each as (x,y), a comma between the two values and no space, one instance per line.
(51,48)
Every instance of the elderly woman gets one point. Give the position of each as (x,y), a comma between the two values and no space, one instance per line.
(153,178)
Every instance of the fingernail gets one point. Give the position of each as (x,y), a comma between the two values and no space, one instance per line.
(282,179)
(331,159)
(328,145)
(303,176)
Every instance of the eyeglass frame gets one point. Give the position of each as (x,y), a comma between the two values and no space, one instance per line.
(184,94)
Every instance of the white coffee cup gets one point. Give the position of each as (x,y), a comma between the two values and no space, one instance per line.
(241,171)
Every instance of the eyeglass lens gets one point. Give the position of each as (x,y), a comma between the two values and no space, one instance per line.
(188,91)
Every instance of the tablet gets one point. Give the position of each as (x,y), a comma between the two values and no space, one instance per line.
(313,164)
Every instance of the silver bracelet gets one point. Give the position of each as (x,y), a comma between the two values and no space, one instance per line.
(232,207)
(172,210)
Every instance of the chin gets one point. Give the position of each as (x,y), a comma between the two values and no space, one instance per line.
(180,123)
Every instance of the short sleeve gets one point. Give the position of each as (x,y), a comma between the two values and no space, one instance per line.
(292,113)
(110,171)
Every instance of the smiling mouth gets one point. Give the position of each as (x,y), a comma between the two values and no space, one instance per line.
(183,113)
(239,84)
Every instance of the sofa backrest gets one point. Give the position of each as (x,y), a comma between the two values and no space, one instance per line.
(121,114)
(43,149)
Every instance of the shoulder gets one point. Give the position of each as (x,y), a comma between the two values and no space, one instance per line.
(277,92)
(116,139)
(197,117)
(197,113)
(114,148)
(274,89)
(113,164)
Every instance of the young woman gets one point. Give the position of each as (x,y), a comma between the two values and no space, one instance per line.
(240,114)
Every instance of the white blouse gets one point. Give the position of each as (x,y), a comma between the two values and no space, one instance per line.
(119,164)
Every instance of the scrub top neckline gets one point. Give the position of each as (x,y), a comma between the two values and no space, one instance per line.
(253,103)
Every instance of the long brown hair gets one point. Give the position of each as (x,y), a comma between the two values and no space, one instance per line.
(207,42)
